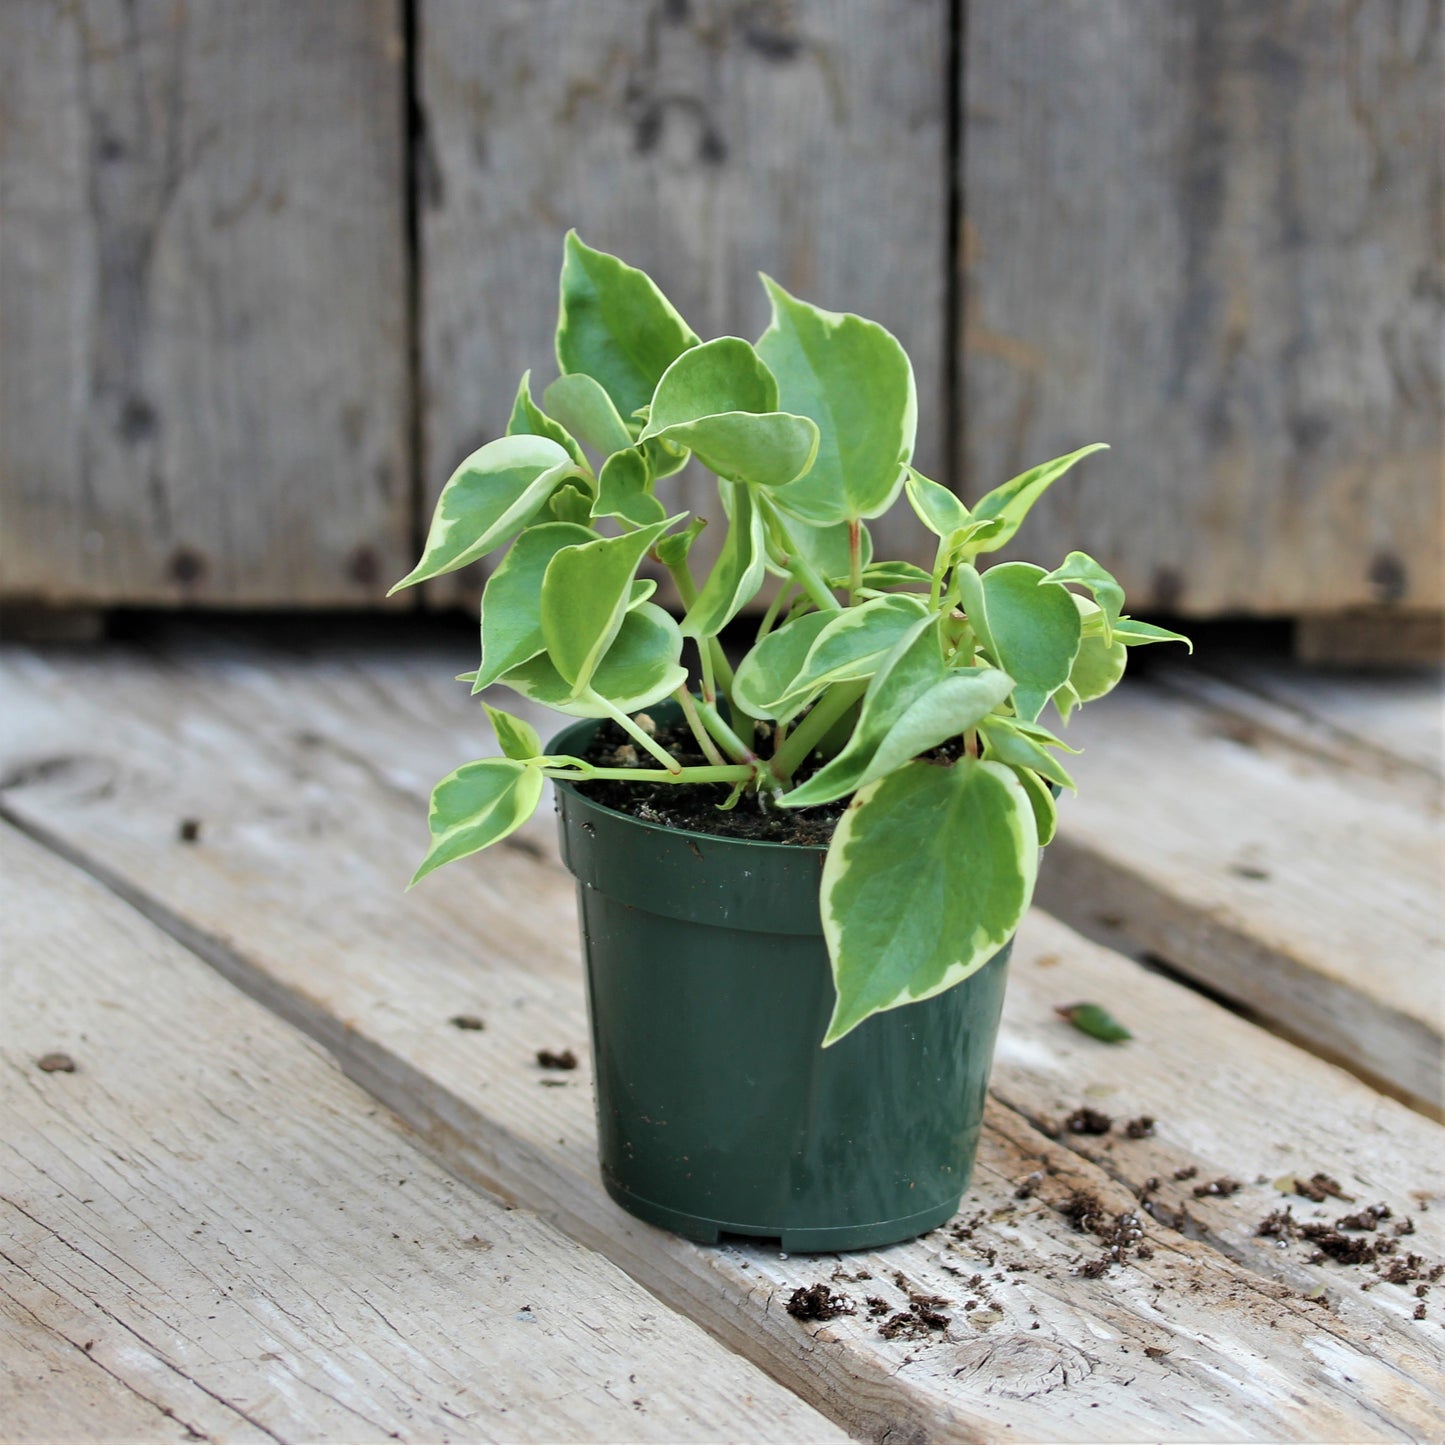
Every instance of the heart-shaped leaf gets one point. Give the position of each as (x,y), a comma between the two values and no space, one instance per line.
(492,495)
(639,669)
(768,671)
(855,381)
(1108,594)
(928,875)
(937,508)
(512,599)
(1030,628)
(516,737)
(616,326)
(1011,502)
(624,489)
(913,667)
(477,805)
(585,407)
(528,419)
(736,575)
(1099,665)
(585,595)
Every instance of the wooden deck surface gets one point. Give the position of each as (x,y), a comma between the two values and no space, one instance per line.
(207,1229)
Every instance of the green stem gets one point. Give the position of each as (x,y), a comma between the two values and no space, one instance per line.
(730,742)
(636,732)
(775,607)
(689,710)
(709,684)
(799,568)
(713,659)
(735,773)
(855,559)
(806,736)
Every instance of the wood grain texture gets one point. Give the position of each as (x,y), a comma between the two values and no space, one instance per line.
(1269,862)
(203,374)
(207,1218)
(308,813)
(703,142)
(1210,235)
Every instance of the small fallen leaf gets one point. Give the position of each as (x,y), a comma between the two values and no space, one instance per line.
(1097,1022)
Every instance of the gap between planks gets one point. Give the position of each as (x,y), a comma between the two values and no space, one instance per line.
(317,834)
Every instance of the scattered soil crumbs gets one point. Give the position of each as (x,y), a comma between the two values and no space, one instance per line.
(55,1064)
(923,1315)
(817,1302)
(1121,1234)
(1354,1240)
(1186,1173)
(1140,1128)
(1088,1121)
(1320,1187)
(466,1021)
(693,807)
(877,1308)
(1220,1188)
(188,830)
(549,1059)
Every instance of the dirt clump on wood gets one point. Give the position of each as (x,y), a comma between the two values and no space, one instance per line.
(55,1064)
(1085,1120)
(1140,1128)
(818,1302)
(552,1059)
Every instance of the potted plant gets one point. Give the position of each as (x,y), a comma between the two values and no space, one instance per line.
(798,883)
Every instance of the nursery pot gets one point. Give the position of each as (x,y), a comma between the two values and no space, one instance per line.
(709,987)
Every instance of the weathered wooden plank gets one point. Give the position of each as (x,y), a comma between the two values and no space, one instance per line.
(203,373)
(313,829)
(1208,235)
(1282,876)
(370,1294)
(703,142)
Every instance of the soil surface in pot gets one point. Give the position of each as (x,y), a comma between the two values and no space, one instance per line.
(693,807)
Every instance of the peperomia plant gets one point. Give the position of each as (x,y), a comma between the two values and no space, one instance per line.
(915,693)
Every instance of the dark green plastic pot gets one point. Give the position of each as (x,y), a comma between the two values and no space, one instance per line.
(710,991)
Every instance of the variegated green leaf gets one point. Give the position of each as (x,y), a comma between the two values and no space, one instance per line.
(937,508)
(624,489)
(855,381)
(615,325)
(491,496)
(570,503)
(949,708)
(1041,799)
(585,407)
(1107,593)
(929,873)
(640,668)
(913,667)
(528,419)
(512,599)
(585,595)
(1136,634)
(1099,665)
(768,671)
(1030,628)
(516,737)
(1012,501)
(895,574)
(478,805)
(1007,744)
(737,574)
(672,550)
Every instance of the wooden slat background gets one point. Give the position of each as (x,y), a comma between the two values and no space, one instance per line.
(1209,234)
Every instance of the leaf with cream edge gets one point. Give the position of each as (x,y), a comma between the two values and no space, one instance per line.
(1030,628)
(491,496)
(1108,595)
(528,419)
(720,401)
(936,507)
(624,489)
(929,873)
(856,382)
(640,668)
(736,575)
(1006,743)
(906,674)
(516,737)
(1045,806)
(766,673)
(1011,502)
(512,599)
(1099,666)
(585,407)
(476,806)
(585,594)
(1137,634)
(616,326)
